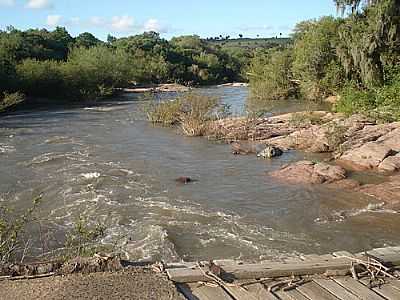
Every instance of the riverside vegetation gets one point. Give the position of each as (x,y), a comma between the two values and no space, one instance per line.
(53,64)
(355,58)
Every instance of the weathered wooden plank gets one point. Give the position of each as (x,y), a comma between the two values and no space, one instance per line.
(315,292)
(250,292)
(385,290)
(254,271)
(394,283)
(260,291)
(335,289)
(357,288)
(291,295)
(203,292)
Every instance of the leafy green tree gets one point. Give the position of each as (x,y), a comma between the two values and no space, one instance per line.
(86,40)
(314,55)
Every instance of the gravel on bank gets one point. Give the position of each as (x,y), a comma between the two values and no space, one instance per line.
(131,283)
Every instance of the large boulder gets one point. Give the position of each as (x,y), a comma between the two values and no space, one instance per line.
(368,156)
(307,172)
(390,164)
(391,139)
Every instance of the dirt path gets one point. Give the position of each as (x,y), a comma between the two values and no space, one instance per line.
(133,283)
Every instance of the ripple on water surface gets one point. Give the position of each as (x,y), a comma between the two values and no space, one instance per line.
(107,164)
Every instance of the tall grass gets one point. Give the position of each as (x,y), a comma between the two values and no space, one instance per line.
(191,112)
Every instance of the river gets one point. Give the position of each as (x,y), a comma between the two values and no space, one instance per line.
(107,163)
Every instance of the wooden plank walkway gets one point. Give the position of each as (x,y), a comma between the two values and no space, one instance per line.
(309,277)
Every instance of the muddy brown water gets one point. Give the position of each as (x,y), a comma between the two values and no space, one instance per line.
(107,163)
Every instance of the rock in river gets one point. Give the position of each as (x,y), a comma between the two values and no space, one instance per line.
(307,172)
(270,152)
(184,180)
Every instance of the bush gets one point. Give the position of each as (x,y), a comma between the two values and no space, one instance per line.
(353,100)
(81,240)
(382,103)
(95,72)
(192,112)
(40,78)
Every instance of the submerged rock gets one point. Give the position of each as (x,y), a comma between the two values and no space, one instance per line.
(270,152)
(246,147)
(307,172)
(388,192)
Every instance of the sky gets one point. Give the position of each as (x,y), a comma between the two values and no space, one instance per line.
(206,18)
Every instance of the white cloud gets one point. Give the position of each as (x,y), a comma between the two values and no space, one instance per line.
(97,21)
(39,4)
(122,23)
(53,20)
(7,2)
(154,25)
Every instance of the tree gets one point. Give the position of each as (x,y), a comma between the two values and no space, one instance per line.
(86,40)
(342,5)
(111,39)
(367,38)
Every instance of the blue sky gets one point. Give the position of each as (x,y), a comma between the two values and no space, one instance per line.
(169,17)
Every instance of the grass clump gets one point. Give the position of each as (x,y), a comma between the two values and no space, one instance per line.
(191,112)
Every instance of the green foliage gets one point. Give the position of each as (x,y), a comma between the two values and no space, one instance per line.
(94,72)
(53,64)
(314,59)
(81,240)
(271,76)
(353,100)
(382,103)
(40,78)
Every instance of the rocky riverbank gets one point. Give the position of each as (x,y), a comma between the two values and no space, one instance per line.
(355,143)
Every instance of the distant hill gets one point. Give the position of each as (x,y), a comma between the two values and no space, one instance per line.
(251,43)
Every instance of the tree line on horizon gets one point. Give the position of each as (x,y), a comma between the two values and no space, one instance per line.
(53,64)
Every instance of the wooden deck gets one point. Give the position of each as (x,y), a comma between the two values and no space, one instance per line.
(312,277)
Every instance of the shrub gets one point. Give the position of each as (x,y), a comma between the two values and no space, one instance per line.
(81,240)
(12,228)
(40,78)
(192,112)
(95,72)
(352,100)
